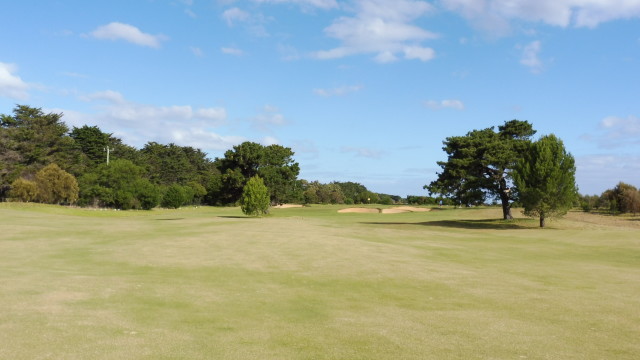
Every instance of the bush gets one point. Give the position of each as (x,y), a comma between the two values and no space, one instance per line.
(255,197)
(56,186)
(174,197)
(23,190)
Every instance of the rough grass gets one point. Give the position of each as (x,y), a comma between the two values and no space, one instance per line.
(309,283)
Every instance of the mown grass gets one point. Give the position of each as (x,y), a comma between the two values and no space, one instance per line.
(310,283)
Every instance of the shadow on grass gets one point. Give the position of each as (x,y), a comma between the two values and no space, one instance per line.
(170,219)
(234,217)
(462,224)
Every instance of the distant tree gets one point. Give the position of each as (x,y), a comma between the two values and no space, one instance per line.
(56,186)
(546,179)
(622,198)
(174,197)
(92,142)
(355,191)
(480,164)
(631,201)
(255,197)
(23,190)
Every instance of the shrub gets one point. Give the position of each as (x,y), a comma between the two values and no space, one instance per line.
(23,190)
(174,197)
(255,197)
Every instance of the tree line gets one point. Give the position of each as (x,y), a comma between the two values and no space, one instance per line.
(43,160)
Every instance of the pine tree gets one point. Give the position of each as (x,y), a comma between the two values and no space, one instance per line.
(255,197)
(545,178)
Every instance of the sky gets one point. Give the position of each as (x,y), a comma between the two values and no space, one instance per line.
(361,90)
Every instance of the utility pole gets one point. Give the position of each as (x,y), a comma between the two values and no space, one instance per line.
(108,150)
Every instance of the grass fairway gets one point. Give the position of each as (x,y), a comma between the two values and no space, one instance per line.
(310,283)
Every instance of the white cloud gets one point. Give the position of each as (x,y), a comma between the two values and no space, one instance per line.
(11,85)
(268,118)
(232,51)
(234,15)
(126,32)
(494,16)
(418,52)
(339,91)
(253,23)
(362,152)
(197,51)
(383,28)
(139,123)
(269,140)
(444,104)
(530,57)
(619,131)
(322,4)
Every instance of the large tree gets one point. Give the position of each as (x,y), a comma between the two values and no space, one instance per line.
(545,178)
(480,163)
(273,163)
(30,140)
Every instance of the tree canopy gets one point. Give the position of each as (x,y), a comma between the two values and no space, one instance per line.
(479,164)
(273,163)
(545,178)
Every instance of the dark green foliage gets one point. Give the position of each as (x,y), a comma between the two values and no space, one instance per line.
(358,193)
(623,198)
(273,163)
(421,200)
(546,179)
(479,164)
(255,197)
(30,140)
(169,164)
(174,197)
(120,185)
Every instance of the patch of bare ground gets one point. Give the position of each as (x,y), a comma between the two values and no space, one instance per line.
(286,206)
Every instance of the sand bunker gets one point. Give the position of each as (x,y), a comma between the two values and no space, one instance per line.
(286,206)
(394,210)
(359,210)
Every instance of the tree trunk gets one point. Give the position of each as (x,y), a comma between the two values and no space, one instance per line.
(541,221)
(504,199)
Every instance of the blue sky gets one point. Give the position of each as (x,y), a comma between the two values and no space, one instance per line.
(362,90)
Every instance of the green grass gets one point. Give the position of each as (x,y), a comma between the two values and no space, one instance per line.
(310,283)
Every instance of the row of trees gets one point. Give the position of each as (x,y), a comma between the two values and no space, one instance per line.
(623,198)
(157,174)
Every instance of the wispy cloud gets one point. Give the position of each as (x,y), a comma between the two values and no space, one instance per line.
(598,172)
(11,85)
(268,118)
(383,28)
(322,4)
(254,23)
(494,16)
(339,91)
(235,15)
(619,131)
(139,123)
(444,104)
(232,51)
(362,152)
(129,33)
(530,57)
